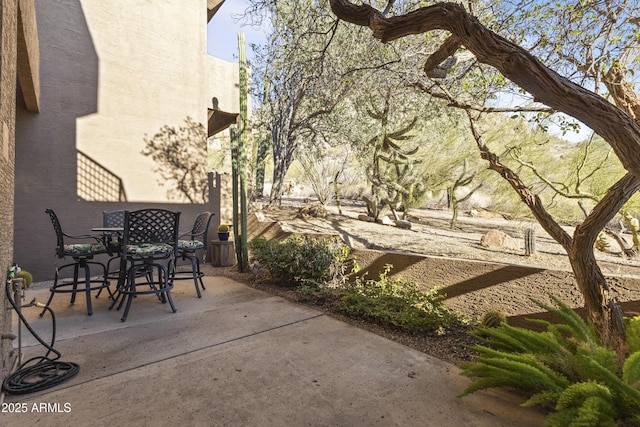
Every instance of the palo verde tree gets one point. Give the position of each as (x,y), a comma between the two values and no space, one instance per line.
(591,170)
(181,156)
(302,77)
(294,79)
(462,180)
(617,126)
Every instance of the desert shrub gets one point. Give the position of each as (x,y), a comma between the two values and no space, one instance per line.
(302,260)
(565,366)
(399,303)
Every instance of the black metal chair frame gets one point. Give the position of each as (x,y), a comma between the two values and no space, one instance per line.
(81,261)
(146,228)
(198,232)
(113,219)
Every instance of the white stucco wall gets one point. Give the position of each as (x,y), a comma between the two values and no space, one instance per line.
(111,72)
(222,82)
(151,72)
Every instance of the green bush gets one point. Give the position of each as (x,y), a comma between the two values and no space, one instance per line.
(565,366)
(399,303)
(298,261)
(317,269)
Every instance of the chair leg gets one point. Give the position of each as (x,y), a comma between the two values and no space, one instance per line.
(195,268)
(199,273)
(76,269)
(74,286)
(130,288)
(127,307)
(106,278)
(196,274)
(159,284)
(167,286)
(87,284)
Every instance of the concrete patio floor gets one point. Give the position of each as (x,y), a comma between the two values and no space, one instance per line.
(241,357)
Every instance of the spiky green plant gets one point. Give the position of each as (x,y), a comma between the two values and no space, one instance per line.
(492,319)
(565,366)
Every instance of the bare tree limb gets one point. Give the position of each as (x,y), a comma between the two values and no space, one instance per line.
(514,62)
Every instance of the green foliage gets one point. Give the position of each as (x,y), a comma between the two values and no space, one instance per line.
(298,260)
(399,303)
(565,366)
(223,228)
(633,333)
(316,268)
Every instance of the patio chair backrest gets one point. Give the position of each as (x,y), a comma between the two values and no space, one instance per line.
(149,226)
(113,219)
(59,234)
(201,227)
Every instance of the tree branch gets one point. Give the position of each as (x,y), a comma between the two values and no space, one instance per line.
(527,196)
(512,61)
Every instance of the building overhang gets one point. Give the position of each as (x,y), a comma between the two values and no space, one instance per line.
(28,55)
(212,8)
(219,121)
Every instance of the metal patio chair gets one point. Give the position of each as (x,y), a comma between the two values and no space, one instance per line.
(187,248)
(82,255)
(149,244)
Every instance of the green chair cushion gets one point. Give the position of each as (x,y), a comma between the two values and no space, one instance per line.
(84,249)
(190,245)
(149,249)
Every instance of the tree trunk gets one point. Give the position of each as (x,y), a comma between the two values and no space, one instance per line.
(263,148)
(602,310)
(605,314)
(618,129)
(280,167)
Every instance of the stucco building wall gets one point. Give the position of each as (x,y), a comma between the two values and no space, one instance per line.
(111,73)
(8,62)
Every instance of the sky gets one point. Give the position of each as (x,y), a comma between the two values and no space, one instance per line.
(223,29)
(222,42)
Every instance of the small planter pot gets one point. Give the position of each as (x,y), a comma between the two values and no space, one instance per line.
(223,236)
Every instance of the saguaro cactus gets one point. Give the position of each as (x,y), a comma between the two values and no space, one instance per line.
(529,242)
(243,257)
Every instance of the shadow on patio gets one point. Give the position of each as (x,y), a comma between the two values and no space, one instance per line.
(239,356)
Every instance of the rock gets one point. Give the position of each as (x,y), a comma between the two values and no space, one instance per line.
(499,239)
(366,218)
(316,211)
(405,225)
(386,220)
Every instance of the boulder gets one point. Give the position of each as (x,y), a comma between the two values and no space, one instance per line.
(387,221)
(499,239)
(366,218)
(316,211)
(406,225)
